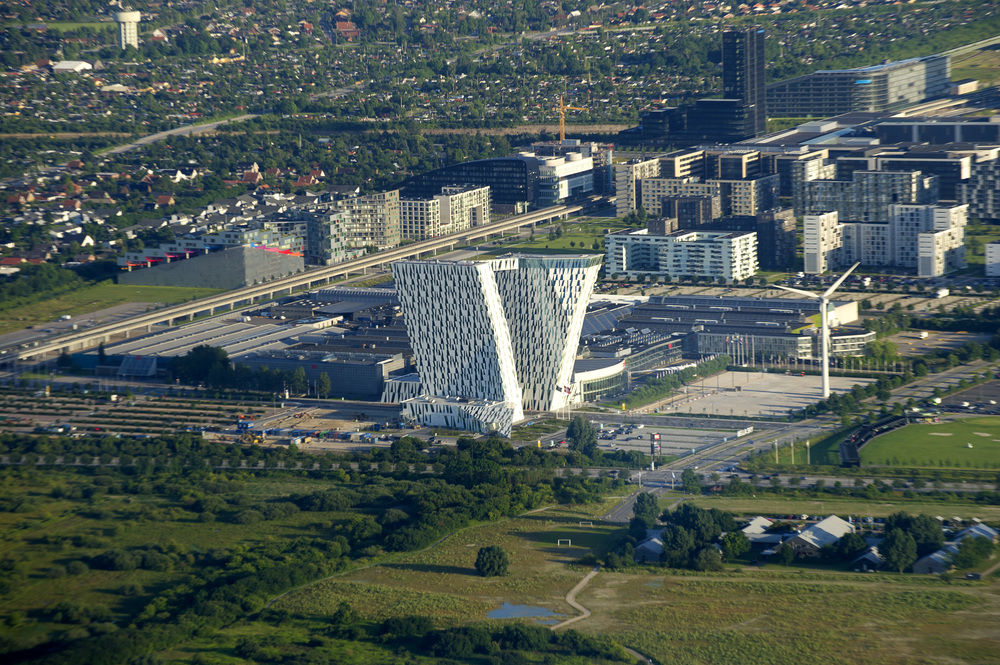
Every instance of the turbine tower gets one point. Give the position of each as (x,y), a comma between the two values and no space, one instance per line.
(824,301)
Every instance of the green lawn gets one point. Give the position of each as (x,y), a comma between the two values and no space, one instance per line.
(984,66)
(92,298)
(576,237)
(944,444)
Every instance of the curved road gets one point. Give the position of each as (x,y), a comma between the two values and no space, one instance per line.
(187,130)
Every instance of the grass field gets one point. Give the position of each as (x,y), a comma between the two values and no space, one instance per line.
(730,618)
(442,581)
(576,237)
(747,615)
(93,298)
(984,66)
(943,444)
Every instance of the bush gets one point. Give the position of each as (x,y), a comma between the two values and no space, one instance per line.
(77,567)
(492,561)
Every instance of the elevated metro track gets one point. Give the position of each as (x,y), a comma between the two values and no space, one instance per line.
(84,339)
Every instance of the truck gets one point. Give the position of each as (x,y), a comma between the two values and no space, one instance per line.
(923,334)
(941,292)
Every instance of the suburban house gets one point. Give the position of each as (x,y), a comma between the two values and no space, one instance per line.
(940,561)
(825,532)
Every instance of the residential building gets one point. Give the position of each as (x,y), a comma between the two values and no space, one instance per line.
(128,28)
(735,196)
(814,538)
(374,220)
(866,196)
(628,177)
(493,338)
(982,190)
(930,240)
(881,87)
(454,209)
(731,256)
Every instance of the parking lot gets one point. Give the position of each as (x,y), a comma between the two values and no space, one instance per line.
(756,393)
(673,441)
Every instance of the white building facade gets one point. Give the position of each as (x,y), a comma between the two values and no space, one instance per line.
(729,255)
(455,209)
(928,239)
(493,338)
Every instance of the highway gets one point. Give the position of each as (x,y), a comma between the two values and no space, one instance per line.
(83,339)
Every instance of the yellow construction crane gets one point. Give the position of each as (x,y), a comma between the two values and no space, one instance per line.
(562,117)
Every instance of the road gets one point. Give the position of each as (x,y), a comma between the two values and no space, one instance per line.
(186,130)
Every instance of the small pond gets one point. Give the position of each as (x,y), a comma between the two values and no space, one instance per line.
(508,611)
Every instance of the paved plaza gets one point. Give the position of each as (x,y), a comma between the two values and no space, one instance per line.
(756,393)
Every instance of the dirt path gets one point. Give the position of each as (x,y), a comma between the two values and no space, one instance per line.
(571,600)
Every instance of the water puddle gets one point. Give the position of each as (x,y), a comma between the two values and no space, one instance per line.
(508,611)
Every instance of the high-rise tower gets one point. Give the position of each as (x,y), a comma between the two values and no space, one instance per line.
(743,72)
(128,28)
(493,338)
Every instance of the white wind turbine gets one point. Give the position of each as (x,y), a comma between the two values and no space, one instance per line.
(824,301)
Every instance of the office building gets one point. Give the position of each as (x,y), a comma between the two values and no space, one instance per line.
(741,113)
(993,259)
(743,73)
(876,88)
(865,196)
(128,28)
(939,131)
(769,329)
(730,256)
(454,209)
(517,182)
(927,239)
(564,178)
(493,338)
(982,190)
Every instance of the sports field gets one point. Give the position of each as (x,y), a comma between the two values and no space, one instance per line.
(963,443)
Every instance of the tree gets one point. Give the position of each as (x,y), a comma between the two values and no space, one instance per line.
(708,558)
(646,508)
(735,544)
(690,482)
(851,545)
(899,549)
(323,385)
(492,561)
(298,383)
(582,436)
(786,554)
(102,355)
(201,362)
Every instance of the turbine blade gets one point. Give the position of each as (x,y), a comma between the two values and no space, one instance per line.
(833,287)
(808,294)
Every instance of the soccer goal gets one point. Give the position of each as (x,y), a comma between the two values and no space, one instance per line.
(586,524)
(564,542)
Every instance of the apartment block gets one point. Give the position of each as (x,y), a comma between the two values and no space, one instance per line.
(731,256)
(930,240)
(455,209)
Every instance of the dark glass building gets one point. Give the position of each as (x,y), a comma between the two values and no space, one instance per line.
(512,180)
(743,73)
